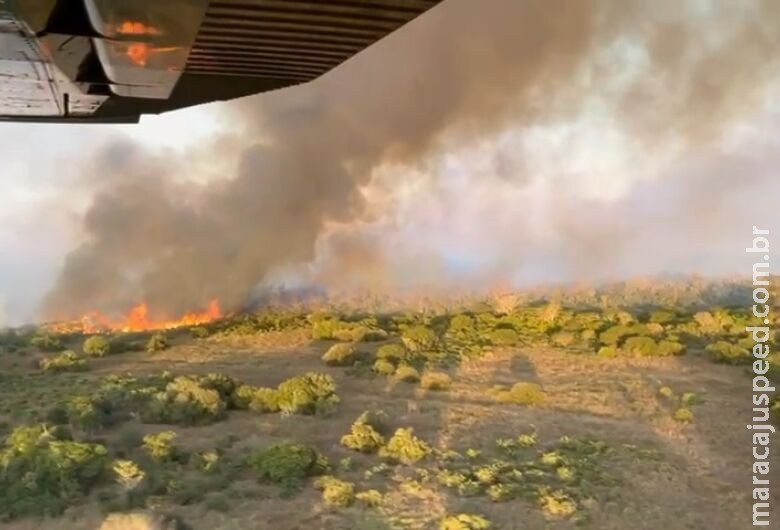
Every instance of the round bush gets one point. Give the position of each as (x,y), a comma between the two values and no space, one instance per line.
(391,352)
(287,464)
(644,346)
(363,438)
(157,342)
(407,374)
(521,394)
(336,492)
(384,367)
(97,346)
(405,447)
(307,393)
(340,355)
(683,415)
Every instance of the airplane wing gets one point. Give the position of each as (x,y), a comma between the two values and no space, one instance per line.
(110,61)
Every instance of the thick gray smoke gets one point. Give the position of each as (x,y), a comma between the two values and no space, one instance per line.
(460,73)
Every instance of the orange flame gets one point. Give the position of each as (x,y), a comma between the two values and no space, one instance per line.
(140,52)
(137,319)
(129,27)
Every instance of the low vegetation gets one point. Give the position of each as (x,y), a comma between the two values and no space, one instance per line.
(262,428)
(288,465)
(465,521)
(157,342)
(341,355)
(42,472)
(520,394)
(67,361)
(405,447)
(97,346)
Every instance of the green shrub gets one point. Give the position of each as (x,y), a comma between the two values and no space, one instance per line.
(359,333)
(157,342)
(384,367)
(688,398)
(160,446)
(88,413)
(394,353)
(521,393)
(341,355)
(501,492)
(43,474)
(407,374)
(557,503)
(67,361)
(208,461)
(683,415)
(222,383)
(287,464)
(613,335)
(465,521)
(377,419)
(265,400)
(371,498)
(667,348)
(185,401)
(97,346)
(128,474)
(405,447)
(363,437)
(436,381)
(644,346)
(666,392)
(503,337)
(47,343)
(199,332)
(419,338)
(307,394)
(243,396)
(325,329)
(725,352)
(607,352)
(336,492)
(527,440)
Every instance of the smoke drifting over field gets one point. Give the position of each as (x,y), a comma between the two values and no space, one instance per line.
(569,114)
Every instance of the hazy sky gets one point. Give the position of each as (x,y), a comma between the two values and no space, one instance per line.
(564,188)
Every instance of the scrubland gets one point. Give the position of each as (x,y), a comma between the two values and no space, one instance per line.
(505,413)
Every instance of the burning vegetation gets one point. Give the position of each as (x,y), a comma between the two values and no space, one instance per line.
(137,319)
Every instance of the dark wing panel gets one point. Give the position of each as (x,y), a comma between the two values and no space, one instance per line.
(114,60)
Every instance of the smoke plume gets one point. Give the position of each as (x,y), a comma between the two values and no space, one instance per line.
(337,176)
